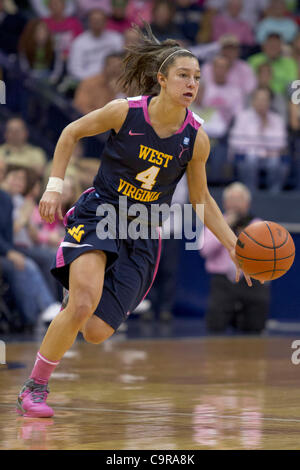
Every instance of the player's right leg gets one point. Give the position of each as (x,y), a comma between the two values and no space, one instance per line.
(85,289)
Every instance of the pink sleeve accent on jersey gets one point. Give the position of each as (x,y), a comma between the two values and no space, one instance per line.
(190,119)
(135,104)
(137,101)
(145,108)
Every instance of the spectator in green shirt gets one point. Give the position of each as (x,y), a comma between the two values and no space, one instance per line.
(284,69)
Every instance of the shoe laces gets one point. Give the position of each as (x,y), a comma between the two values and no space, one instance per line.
(38,392)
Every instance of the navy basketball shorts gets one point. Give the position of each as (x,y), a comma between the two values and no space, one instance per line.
(131,264)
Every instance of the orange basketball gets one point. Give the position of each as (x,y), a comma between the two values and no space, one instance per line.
(265,250)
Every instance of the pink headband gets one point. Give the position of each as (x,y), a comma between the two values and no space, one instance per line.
(173,53)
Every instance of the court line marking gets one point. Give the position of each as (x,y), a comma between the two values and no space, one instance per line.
(165,415)
(202,415)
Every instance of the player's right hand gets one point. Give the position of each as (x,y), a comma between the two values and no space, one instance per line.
(238,269)
(50,205)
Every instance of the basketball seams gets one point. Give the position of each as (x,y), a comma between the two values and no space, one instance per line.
(270,271)
(265,246)
(274,267)
(253,256)
(254,259)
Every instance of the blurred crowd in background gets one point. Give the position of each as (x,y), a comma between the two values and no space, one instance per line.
(71,51)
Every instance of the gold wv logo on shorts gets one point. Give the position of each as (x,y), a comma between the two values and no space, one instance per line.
(76,232)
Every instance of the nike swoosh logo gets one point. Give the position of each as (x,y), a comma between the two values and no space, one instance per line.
(135,133)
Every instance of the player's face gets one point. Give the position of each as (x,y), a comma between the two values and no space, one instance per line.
(182,81)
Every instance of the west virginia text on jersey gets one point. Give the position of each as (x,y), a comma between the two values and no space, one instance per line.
(127,189)
(154,156)
(137,163)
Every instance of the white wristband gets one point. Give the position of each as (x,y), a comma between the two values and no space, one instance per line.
(55,184)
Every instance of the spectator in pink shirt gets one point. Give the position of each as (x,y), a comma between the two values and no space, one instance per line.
(85,6)
(228,101)
(230,22)
(258,140)
(139,9)
(240,73)
(230,303)
(64,29)
(118,21)
(219,93)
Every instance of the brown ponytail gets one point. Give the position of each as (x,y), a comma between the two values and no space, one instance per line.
(144,59)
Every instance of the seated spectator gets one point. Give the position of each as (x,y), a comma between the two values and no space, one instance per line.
(18,183)
(223,102)
(214,124)
(240,73)
(89,50)
(294,10)
(29,290)
(95,92)
(284,69)
(3,167)
(276,21)
(130,37)
(118,20)
(63,28)
(77,155)
(294,126)
(37,54)
(87,170)
(295,53)
(230,22)
(252,10)
(16,149)
(258,139)
(230,303)
(264,80)
(205,26)
(188,18)
(163,24)
(84,7)
(138,10)
(219,93)
(11,27)
(42,8)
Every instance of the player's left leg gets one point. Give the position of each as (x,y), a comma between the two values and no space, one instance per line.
(85,293)
(96,330)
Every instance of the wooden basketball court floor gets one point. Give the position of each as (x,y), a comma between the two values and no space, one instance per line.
(182,393)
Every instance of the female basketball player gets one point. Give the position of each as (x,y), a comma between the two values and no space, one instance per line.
(154,139)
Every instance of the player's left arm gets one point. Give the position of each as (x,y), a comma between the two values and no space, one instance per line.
(199,194)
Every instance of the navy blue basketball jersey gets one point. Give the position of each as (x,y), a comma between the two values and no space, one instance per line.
(137,163)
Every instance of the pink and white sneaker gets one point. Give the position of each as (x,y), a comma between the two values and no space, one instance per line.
(32,400)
